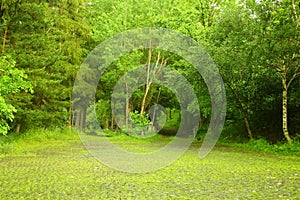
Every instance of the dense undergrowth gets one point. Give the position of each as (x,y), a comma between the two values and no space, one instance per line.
(263,145)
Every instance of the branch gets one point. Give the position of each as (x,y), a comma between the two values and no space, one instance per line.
(149,61)
(295,75)
(295,12)
(241,78)
(157,61)
(4,39)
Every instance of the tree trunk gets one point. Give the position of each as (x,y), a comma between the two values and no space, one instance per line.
(154,112)
(284,108)
(106,123)
(244,113)
(4,39)
(148,82)
(144,99)
(80,119)
(77,119)
(70,117)
(127,111)
(112,121)
(18,128)
(83,120)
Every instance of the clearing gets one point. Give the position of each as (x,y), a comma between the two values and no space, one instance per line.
(70,172)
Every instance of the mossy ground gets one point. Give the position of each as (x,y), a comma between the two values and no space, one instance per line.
(70,172)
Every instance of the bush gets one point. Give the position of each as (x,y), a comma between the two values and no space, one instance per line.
(263,145)
(234,132)
(259,145)
(140,126)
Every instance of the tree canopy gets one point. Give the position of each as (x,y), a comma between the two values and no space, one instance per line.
(255,45)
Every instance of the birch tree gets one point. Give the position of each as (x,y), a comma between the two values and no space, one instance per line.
(278,23)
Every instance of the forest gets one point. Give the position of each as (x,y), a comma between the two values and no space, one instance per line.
(149,99)
(254,45)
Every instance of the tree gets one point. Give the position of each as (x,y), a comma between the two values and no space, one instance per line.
(47,41)
(12,81)
(182,16)
(279,39)
(232,47)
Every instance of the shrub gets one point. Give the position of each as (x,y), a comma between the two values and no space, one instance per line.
(141,125)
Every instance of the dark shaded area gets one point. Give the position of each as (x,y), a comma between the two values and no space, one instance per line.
(168,131)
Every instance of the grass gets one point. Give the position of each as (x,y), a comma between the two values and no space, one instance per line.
(233,138)
(261,145)
(65,170)
(20,144)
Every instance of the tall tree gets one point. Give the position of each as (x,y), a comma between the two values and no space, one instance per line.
(47,41)
(279,39)
(233,50)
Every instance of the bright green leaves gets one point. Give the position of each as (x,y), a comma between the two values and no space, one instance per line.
(12,81)
(255,46)
(252,42)
(140,119)
(278,35)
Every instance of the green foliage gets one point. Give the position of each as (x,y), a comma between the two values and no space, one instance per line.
(103,110)
(141,124)
(47,42)
(253,75)
(140,119)
(252,43)
(12,81)
(234,132)
(262,145)
(276,30)
(175,120)
(259,145)
(114,133)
